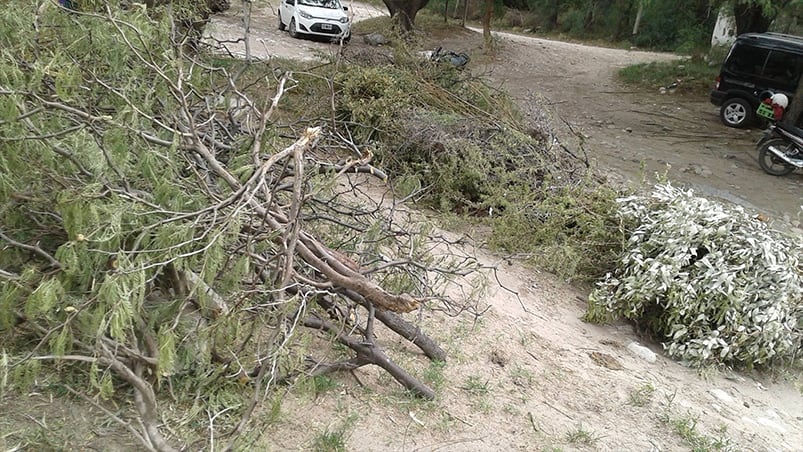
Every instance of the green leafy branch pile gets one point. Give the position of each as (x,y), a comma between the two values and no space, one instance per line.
(716,285)
(459,146)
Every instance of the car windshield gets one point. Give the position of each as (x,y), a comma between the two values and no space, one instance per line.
(329,4)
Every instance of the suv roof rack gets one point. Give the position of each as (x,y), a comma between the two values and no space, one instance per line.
(777,40)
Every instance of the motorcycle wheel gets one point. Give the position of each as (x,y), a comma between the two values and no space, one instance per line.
(769,162)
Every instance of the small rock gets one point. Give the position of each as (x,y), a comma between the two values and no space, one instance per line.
(642,352)
(722,395)
(375,39)
(499,358)
(605,360)
(629,130)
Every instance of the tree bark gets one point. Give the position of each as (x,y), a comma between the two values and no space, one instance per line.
(404,11)
(750,18)
(486,25)
(369,353)
(795,108)
(639,13)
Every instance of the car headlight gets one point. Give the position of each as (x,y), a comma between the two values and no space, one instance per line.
(344,20)
(305,15)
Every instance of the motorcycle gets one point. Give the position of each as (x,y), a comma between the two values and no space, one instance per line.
(780,150)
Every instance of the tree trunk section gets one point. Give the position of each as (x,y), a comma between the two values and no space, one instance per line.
(639,13)
(486,25)
(750,18)
(404,11)
(792,115)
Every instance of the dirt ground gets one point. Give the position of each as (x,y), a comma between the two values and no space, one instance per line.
(529,374)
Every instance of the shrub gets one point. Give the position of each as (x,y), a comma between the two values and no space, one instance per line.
(715,284)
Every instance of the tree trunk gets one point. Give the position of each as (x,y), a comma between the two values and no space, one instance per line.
(639,13)
(554,12)
(404,11)
(750,18)
(795,108)
(486,25)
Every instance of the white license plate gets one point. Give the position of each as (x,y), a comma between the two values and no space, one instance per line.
(326,26)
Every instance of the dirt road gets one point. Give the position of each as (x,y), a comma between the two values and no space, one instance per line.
(636,134)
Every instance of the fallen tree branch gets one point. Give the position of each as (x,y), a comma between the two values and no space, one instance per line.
(372,354)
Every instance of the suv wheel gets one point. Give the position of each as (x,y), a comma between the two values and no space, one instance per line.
(736,112)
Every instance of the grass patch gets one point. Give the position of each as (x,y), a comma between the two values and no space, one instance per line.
(334,439)
(685,426)
(475,386)
(696,75)
(316,385)
(433,374)
(642,395)
(582,436)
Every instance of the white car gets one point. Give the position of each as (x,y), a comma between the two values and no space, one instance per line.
(325,18)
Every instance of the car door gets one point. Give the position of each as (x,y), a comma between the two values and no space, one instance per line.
(287,9)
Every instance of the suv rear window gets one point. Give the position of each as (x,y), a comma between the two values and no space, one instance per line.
(747,59)
(783,67)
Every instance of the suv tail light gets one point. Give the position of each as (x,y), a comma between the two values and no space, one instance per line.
(718,79)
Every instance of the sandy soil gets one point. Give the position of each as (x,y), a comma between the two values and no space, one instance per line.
(529,374)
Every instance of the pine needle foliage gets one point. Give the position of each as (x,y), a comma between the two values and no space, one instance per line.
(160,236)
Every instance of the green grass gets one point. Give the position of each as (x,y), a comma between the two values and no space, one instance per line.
(334,439)
(433,374)
(330,441)
(685,426)
(475,386)
(696,76)
(581,436)
(642,395)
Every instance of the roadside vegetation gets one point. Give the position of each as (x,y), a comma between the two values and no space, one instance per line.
(689,76)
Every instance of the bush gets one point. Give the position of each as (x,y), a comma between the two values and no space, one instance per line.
(715,284)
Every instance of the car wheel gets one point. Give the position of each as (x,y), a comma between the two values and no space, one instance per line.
(292,28)
(736,112)
(281,24)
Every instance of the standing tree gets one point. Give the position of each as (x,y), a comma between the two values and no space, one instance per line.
(404,11)
(486,25)
(755,16)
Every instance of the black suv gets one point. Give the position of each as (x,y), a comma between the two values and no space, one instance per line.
(757,63)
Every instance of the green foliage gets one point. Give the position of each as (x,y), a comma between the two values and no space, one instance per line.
(466,150)
(681,26)
(570,231)
(580,435)
(91,175)
(714,284)
(374,96)
(693,75)
(641,396)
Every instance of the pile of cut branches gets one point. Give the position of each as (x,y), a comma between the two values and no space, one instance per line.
(158,231)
